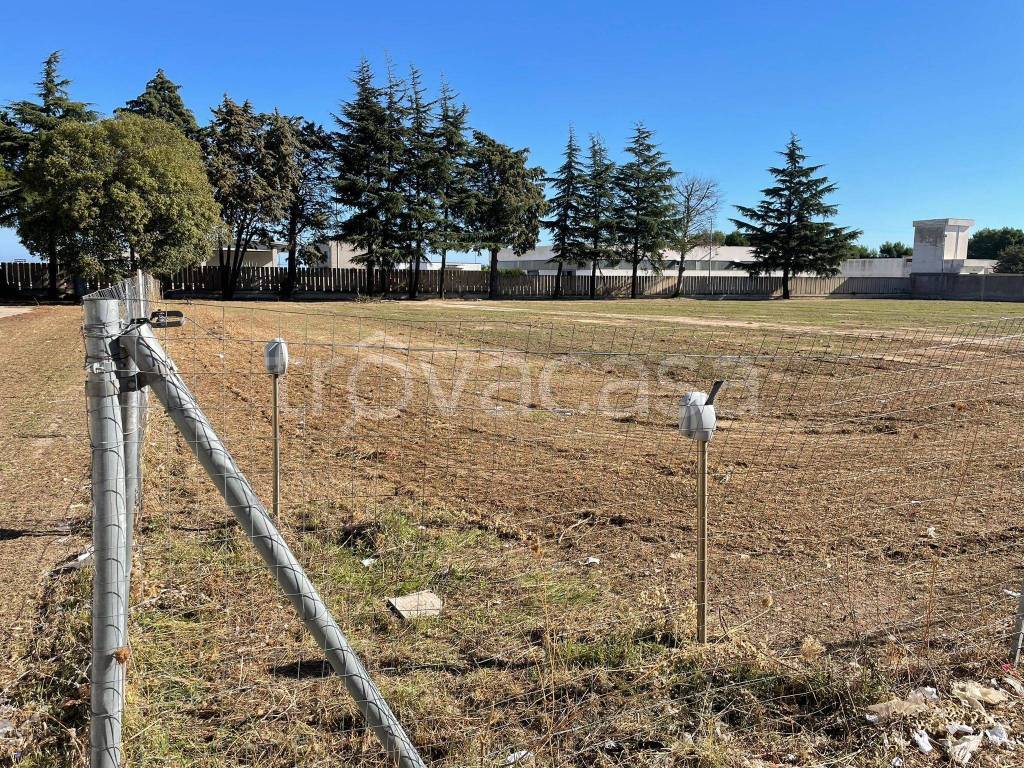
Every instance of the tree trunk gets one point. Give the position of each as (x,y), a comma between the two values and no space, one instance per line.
(785,283)
(414,275)
(133,259)
(593,279)
(557,292)
(236,261)
(440,277)
(632,287)
(679,277)
(52,270)
(492,282)
(293,249)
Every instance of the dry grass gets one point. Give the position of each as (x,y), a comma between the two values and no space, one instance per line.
(863,531)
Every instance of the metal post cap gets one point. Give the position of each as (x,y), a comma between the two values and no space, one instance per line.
(275,357)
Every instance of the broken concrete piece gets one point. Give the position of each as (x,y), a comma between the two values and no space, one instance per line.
(418,605)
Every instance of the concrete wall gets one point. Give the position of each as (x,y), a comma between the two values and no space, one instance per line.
(968,287)
(875,268)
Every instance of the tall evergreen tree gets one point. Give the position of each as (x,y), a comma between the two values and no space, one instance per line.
(506,201)
(452,153)
(360,183)
(34,211)
(566,207)
(418,177)
(791,228)
(395,231)
(309,214)
(369,154)
(644,210)
(162,101)
(250,163)
(598,220)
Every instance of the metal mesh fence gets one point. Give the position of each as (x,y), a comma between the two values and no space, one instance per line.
(529,473)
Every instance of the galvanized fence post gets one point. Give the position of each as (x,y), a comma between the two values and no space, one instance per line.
(109,595)
(159,372)
(133,402)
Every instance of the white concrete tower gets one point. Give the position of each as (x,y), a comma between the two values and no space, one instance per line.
(940,245)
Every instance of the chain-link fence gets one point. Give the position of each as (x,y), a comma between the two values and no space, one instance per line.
(499,511)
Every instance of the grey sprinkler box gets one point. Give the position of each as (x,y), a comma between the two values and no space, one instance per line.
(697,419)
(275,357)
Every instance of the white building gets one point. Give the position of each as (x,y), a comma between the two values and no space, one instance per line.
(940,246)
(258,255)
(339,254)
(705,260)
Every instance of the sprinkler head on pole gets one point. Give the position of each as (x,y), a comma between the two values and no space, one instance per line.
(275,357)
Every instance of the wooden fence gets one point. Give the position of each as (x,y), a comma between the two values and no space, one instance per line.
(197,281)
(30,280)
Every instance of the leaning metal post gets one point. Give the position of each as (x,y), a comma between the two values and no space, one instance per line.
(109,593)
(159,372)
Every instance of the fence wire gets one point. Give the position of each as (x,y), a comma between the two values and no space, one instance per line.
(529,472)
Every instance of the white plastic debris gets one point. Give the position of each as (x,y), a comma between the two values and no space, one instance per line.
(956,729)
(976,695)
(368,561)
(1015,684)
(896,762)
(930,533)
(923,742)
(592,560)
(1011,593)
(522,757)
(915,703)
(961,750)
(997,736)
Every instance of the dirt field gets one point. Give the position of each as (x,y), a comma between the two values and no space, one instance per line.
(521,459)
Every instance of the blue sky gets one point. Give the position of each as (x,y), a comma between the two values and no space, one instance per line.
(917,108)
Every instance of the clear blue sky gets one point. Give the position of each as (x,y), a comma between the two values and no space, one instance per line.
(916,107)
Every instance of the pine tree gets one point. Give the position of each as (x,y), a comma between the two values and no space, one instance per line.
(362,173)
(452,153)
(250,163)
(791,229)
(34,211)
(395,232)
(598,219)
(644,210)
(418,177)
(309,213)
(162,101)
(566,208)
(506,201)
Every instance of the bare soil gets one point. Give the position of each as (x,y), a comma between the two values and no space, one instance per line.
(864,493)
